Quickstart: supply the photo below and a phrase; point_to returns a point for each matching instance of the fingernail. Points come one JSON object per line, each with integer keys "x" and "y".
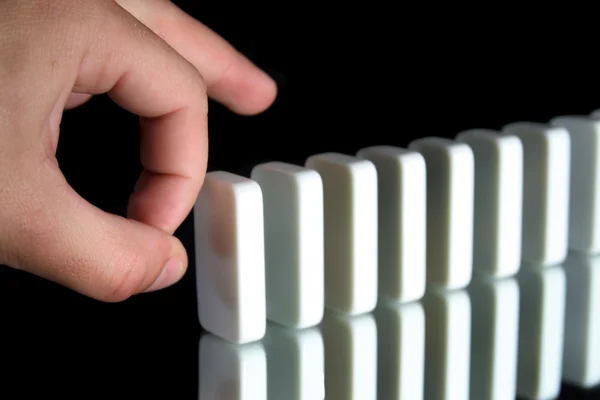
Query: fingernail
{"x": 170, "y": 274}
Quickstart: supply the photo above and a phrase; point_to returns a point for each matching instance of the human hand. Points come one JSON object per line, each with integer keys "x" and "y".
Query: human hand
{"x": 153, "y": 60}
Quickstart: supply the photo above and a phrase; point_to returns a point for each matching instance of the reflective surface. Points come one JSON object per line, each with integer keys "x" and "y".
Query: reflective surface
{"x": 529, "y": 336}
{"x": 533, "y": 336}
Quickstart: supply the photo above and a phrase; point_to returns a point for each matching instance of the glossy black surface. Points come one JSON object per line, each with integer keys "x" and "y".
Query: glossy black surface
{"x": 155, "y": 349}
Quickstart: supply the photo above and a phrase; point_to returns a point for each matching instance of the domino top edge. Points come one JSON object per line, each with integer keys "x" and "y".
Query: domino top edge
{"x": 227, "y": 177}
{"x": 479, "y": 132}
{"x": 283, "y": 167}
{"x": 338, "y": 159}
{"x": 435, "y": 142}
{"x": 489, "y": 136}
{"x": 533, "y": 128}
{"x": 236, "y": 183}
{"x": 385, "y": 149}
{"x": 575, "y": 121}
{"x": 450, "y": 147}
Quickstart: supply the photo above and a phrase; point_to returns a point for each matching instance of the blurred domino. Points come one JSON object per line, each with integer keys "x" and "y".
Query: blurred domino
{"x": 498, "y": 201}
{"x": 582, "y": 321}
{"x": 541, "y": 331}
{"x": 350, "y": 211}
{"x": 402, "y": 218}
{"x": 230, "y": 371}
{"x": 584, "y": 202}
{"x": 294, "y": 250}
{"x": 450, "y": 186}
{"x": 295, "y": 363}
{"x": 546, "y": 165}
{"x": 350, "y": 356}
{"x": 447, "y": 344}
{"x": 230, "y": 269}
{"x": 494, "y": 338}
{"x": 400, "y": 349}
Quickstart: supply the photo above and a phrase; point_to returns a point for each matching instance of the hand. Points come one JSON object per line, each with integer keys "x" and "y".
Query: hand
{"x": 153, "y": 60}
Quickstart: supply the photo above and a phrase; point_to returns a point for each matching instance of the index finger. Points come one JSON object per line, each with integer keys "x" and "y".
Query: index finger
{"x": 147, "y": 77}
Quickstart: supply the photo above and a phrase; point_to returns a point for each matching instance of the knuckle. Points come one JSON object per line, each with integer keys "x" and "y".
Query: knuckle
{"x": 199, "y": 87}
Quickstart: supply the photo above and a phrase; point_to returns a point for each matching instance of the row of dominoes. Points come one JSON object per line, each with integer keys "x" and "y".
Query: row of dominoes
{"x": 342, "y": 231}
{"x": 516, "y": 337}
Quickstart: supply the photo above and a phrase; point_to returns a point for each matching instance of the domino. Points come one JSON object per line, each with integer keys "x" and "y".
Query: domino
{"x": 582, "y": 321}
{"x": 400, "y": 350}
{"x": 498, "y": 201}
{"x": 584, "y": 200}
{"x": 546, "y": 165}
{"x": 230, "y": 264}
{"x": 401, "y": 184}
{"x": 350, "y": 229}
{"x": 494, "y": 338}
{"x": 541, "y": 332}
{"x": 231, "y": 371}
{"x": 294, "y": 248}
{"x": 450, "y": 193}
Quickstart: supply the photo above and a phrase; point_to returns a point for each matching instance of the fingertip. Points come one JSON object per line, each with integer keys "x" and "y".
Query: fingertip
{"x": 245, "y": 89}
{"x": 174, "y": 268}
{"x": 178, "y": 251}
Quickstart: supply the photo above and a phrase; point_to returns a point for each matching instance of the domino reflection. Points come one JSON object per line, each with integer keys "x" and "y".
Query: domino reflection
{"x": 400, "y": 350}
{"x": 581, "y": 354}
{"x": 497, "y": 339}
{"x": 350, "y": 357}
{"x": 285, "y": 364}
{"x": 295, "y": 363}
{"x": 541, "y": 327}
{"x": 231, "y": 371}
{"x": 447, "y": 344}
{"x": 494, "y": 338}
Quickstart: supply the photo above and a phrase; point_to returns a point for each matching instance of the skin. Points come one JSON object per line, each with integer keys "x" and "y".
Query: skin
{"x": 153, "y": 60}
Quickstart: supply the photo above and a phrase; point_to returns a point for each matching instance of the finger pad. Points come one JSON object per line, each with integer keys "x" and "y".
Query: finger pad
{"x": 245, "y": 89}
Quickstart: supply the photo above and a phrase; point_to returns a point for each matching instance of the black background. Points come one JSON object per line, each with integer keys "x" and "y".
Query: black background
{"x": 348, "y": 78}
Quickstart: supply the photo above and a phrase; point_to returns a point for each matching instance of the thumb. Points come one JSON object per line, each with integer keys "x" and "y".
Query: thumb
{"x": 59, "y": 236}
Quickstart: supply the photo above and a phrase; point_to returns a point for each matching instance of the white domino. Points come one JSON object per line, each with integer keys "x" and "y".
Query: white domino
{"x": 584, "y": 202}
{"x": 231, "y": 371}
{"x": 498, "y": 201}
{"x": 294, "y": 249}
{"x": 450, "y": 193}
{"x": 230, "y": 265}
{"x": 546, "y": 165}
{"x": 401, "y": 183}
{"x": 350, "y": 212}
